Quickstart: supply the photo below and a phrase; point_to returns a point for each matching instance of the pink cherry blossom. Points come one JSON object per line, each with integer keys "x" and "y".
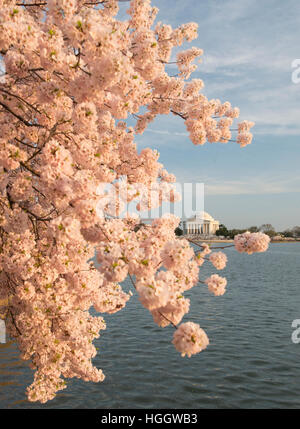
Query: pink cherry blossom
{"x": 218, "y": 259}
{"x": 216, "y": 284}
{"x": 251, "y": 242}
{"x": 190, "y": 339}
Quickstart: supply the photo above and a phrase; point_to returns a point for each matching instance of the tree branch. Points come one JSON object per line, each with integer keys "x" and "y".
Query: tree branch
{"x": 28, "y": 124}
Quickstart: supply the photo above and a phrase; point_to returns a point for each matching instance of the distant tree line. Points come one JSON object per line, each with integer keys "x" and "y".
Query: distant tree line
{"x": 293, "y": 232}
{"x": 267, "y": 228}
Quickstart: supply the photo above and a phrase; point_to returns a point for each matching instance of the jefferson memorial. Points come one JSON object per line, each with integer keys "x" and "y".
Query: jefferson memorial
{"x": 200, "y": 223}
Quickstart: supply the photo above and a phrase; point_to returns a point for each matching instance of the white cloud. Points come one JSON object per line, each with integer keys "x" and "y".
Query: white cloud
{"x": 166, "y": 132}
{"x": 252, "y": 186}
{"x": 220, "y": 62}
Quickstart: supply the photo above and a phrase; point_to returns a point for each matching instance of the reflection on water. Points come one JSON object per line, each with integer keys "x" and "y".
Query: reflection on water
{"x": 251, "y": 361}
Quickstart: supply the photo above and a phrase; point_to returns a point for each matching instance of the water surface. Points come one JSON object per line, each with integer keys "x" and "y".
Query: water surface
{"x": 251, "y": 361}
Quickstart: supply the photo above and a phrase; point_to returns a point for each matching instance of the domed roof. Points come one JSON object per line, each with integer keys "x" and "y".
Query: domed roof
{"x": 202, "y": 216}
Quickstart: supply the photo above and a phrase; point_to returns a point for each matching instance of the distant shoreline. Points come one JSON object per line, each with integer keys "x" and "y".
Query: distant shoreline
{"x": 209, "y": 241}
{"x": 202, "y": 240}
{"x": 285, "y": 241}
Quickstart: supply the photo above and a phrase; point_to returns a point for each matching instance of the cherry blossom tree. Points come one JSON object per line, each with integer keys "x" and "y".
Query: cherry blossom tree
{"x": 74, "y": 76}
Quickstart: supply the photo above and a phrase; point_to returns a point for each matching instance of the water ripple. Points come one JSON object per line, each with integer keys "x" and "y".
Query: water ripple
{"x": 250, "y": 363}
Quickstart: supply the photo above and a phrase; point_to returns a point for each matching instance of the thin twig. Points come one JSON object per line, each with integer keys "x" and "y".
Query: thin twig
{"x": 14, "y": 322}
{"x": 30, "y": 169}
{"x": 173, "y": 324}
{"x": 28, "y": 124}
{"x": 132, "y": 281}
{"x": 179, "y": 114}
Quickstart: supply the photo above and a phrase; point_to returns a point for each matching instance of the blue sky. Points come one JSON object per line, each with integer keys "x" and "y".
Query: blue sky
{"x": 249, "y": 46}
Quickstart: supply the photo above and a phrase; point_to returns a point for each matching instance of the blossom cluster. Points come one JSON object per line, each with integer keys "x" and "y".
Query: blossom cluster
{"x": 216, "y": 284}
{"x": 251, "y": 242}
{"x": 189, "y": 339}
